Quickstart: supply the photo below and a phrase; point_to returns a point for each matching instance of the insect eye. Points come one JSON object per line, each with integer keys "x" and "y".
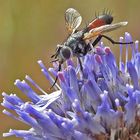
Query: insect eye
{"x": 66, "y": 52}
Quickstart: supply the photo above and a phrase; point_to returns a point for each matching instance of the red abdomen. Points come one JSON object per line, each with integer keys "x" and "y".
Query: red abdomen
{"x": 101, "y": 20}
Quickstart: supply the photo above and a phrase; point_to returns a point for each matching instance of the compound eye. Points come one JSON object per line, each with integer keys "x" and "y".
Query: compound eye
{"x": 66, "y": 52}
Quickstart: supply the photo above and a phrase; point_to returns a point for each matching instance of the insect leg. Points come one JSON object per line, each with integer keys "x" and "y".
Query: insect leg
{"x": 96, "y": 40}
{"x": 115, "y": 42}
{"x": 81, "y": 67}
{"x": 95, "y": 43}
{"x": 55, "y": 60}
{"x": 59, "y": 68}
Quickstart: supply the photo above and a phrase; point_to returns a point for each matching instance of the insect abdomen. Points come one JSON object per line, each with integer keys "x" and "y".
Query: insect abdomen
{"x": 100, "y": 20}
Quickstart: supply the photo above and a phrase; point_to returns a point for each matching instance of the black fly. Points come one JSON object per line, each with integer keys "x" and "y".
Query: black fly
{"x": 79, "y": 43}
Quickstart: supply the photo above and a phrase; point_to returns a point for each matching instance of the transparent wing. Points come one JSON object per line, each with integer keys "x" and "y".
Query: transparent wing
{"x": 73, "y": 20}
{"x": 103, "y": 29}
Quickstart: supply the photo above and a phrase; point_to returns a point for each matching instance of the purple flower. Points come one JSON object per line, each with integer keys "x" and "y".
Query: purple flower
{"x": 101, "y": 103}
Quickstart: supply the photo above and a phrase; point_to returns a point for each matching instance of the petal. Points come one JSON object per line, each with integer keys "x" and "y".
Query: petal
{"x": 133, "y": 74}
{"x": 25, "y": 88}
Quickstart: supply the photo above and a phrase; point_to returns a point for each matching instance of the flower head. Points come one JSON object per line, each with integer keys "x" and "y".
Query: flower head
{"x": 102, "y": 102}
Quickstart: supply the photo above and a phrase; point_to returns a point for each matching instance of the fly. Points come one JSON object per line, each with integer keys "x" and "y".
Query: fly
{"x": 80, "y": 42}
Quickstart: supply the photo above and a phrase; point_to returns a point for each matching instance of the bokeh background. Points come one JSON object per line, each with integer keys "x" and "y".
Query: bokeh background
{"x": 30, "y": 30}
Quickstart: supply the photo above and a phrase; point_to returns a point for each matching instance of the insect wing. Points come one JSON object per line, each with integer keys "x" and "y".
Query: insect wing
{"x": 73, "y": 20}
{"x": 103, "y": 29}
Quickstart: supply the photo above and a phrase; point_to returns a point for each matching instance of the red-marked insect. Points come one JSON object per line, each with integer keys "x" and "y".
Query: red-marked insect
{"x": 80, "y": 42}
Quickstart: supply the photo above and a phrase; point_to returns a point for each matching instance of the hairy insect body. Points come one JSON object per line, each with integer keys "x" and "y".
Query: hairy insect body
{"x": 76, "y": 43}
{"x": 79, "y": 43}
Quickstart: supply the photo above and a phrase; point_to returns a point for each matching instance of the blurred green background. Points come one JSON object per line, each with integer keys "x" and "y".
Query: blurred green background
{"x": 30, "y": 30}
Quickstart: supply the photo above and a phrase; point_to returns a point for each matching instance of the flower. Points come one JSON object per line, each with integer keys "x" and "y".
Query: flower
{"x": 102, "y": 102}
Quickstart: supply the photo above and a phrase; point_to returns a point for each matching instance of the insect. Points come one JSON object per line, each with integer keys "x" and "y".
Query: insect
{"x": 80, "y": 42}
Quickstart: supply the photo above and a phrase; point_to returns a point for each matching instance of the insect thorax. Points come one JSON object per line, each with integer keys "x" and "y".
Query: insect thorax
{"x": 77, "y": 44}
